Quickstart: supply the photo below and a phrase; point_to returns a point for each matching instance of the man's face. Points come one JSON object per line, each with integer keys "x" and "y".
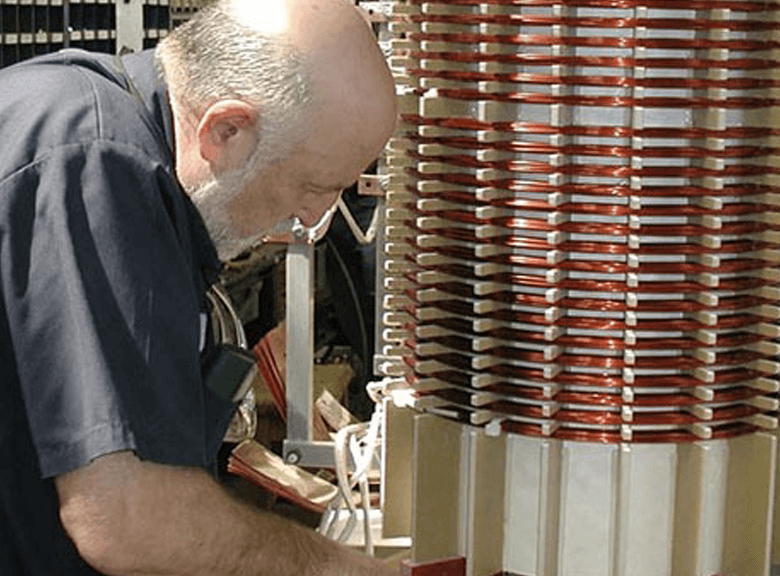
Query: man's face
{"x": 242, "y": 207}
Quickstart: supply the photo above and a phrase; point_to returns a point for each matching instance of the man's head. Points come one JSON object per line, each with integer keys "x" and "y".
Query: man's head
{"x": 278, "y": 105}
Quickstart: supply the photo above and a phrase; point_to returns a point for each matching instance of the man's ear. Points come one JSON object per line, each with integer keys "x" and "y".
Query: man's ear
{"x": 227, "y": 133}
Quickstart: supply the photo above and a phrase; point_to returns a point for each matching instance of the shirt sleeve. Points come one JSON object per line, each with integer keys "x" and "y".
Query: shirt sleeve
{"x": 97, "y": 280}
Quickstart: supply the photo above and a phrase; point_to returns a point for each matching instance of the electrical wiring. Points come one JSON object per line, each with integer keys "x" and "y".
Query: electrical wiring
{"x": 361, "y": 442}
{"x": 363, "y": 238}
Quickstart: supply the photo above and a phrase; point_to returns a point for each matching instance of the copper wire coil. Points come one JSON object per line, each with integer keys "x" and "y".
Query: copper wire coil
{"x": 670, "y": 230}
{"x": 611, "y": 248}
{"x": 730, "y": 430}
{"x": 568, "y": 378}
{"x": 737, "y": 394}
{"x": 735, "y": 5}
{"x": 614, "y": 418}
{"x": 515, "y": 185}
{"x": 613, "y": 399}
{"x": 737, "y": 45}
{"x": 605, "y": 343}
{"x": 508, "y": 259}
{"x": 688, "y": 325}
{"x": 729, "y": 376}
{"x": 470, "y": 200}
{"x": 604, "y": 170}
{"x": 528, "y": 270}
{"x": 619, "y": 305}
{"x": 519, "y": 146}
{"x": 455, "y": 307}
{"x": 608, "y": 362}
{"x": 469, "y": 236}
{"x": 605, "y": 101}
{"x": 596, "y": 22}
{"x": 465, "y": 327}
{"x": 519, "y": 185}
{"x": 729, "y": 247}
{"x": 734, "y": 247}
{"x": 681, "y": 362}
{"x": 726, "y": 376}
{"x": 604, "y": 81}
{"x": 473, "y": 124}
{"x": 684, "y": 325}
{"x": 718, "y": 415}
{"x": 584, "y": 61}
{"x": 537, "y": 167}
{"x": 683, "y": 287}
{"x": 528, "y": 374}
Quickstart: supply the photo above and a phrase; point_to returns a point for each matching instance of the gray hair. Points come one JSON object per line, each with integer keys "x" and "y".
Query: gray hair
{"x": 217, "y": 58}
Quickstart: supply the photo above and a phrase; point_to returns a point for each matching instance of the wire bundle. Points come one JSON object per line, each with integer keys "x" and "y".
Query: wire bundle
{"x": 583, "y": 216}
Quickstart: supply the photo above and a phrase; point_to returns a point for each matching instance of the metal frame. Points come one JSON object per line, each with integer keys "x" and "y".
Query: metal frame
{"x": 299, "y": 447}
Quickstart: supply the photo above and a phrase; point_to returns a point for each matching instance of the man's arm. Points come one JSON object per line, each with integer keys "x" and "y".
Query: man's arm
{"x": 131, "y": 518}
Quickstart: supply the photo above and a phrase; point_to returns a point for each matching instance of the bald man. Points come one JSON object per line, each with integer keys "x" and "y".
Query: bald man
{"x": 123, "y": 183}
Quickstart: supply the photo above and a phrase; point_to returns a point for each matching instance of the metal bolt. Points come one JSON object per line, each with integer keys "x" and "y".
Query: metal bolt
{"x": 293, "y": 457}
{"x": 299, "y": 231}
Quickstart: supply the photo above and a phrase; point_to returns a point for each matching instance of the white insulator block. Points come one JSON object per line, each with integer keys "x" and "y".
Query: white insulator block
{"x": 531, "y": 505}
{"x": 701, "y": 524}
{"x": 588, "y": 497}
{"x": 645, "y": 509}
{"x": 483, "y": 502}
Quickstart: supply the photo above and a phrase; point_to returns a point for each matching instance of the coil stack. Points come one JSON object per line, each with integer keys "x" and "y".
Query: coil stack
{"x": 582, "y": 229}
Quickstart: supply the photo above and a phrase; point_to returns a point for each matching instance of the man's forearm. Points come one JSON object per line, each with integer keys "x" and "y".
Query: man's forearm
{"x": 134, "y": 518}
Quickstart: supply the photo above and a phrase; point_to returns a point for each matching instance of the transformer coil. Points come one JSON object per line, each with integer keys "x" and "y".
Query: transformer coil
{"x": 583, "y": 217}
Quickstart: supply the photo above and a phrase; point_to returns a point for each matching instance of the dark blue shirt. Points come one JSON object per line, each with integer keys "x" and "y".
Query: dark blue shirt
{"x": 102, "y": 261}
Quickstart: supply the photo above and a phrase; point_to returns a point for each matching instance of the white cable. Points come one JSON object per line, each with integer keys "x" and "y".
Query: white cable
{"x": 361, "y": 442}
{"x": 362, "y": 237}
{"x": 362, "y": 481}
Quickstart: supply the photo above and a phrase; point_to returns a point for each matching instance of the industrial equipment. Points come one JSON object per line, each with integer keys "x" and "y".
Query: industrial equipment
{"x": 581, "y": 283}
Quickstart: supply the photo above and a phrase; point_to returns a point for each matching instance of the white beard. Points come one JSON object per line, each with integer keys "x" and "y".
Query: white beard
{"x": 212, "y": 199}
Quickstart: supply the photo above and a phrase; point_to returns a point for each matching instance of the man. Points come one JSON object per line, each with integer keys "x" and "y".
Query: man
{"x": 263, "y": 110}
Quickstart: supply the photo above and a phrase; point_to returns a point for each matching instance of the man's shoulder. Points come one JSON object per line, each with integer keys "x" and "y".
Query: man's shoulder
{"x": 63, "y": 99}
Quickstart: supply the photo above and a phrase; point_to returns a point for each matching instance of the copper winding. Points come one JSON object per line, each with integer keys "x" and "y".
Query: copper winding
{"x": 605, "y": 101}
{"x": 474, "y": 124}
{"x": 598, "y": 42}
{"x": 509, "y": 259}
{"x": 620, "y": 62}
{"x": 735, "y": 5}
{"x": 516, "y": 146}
{"x": 735, "y": 284}
{"x": 611, "y": 81}
{"x": 513, "y": 184}
{"x": 606, "y": 436}
{"x": 613, "y": 248}
{"x": 597, "y": 22}
{"x": 557, "y": 296}
{"x": 509, "y": 335}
